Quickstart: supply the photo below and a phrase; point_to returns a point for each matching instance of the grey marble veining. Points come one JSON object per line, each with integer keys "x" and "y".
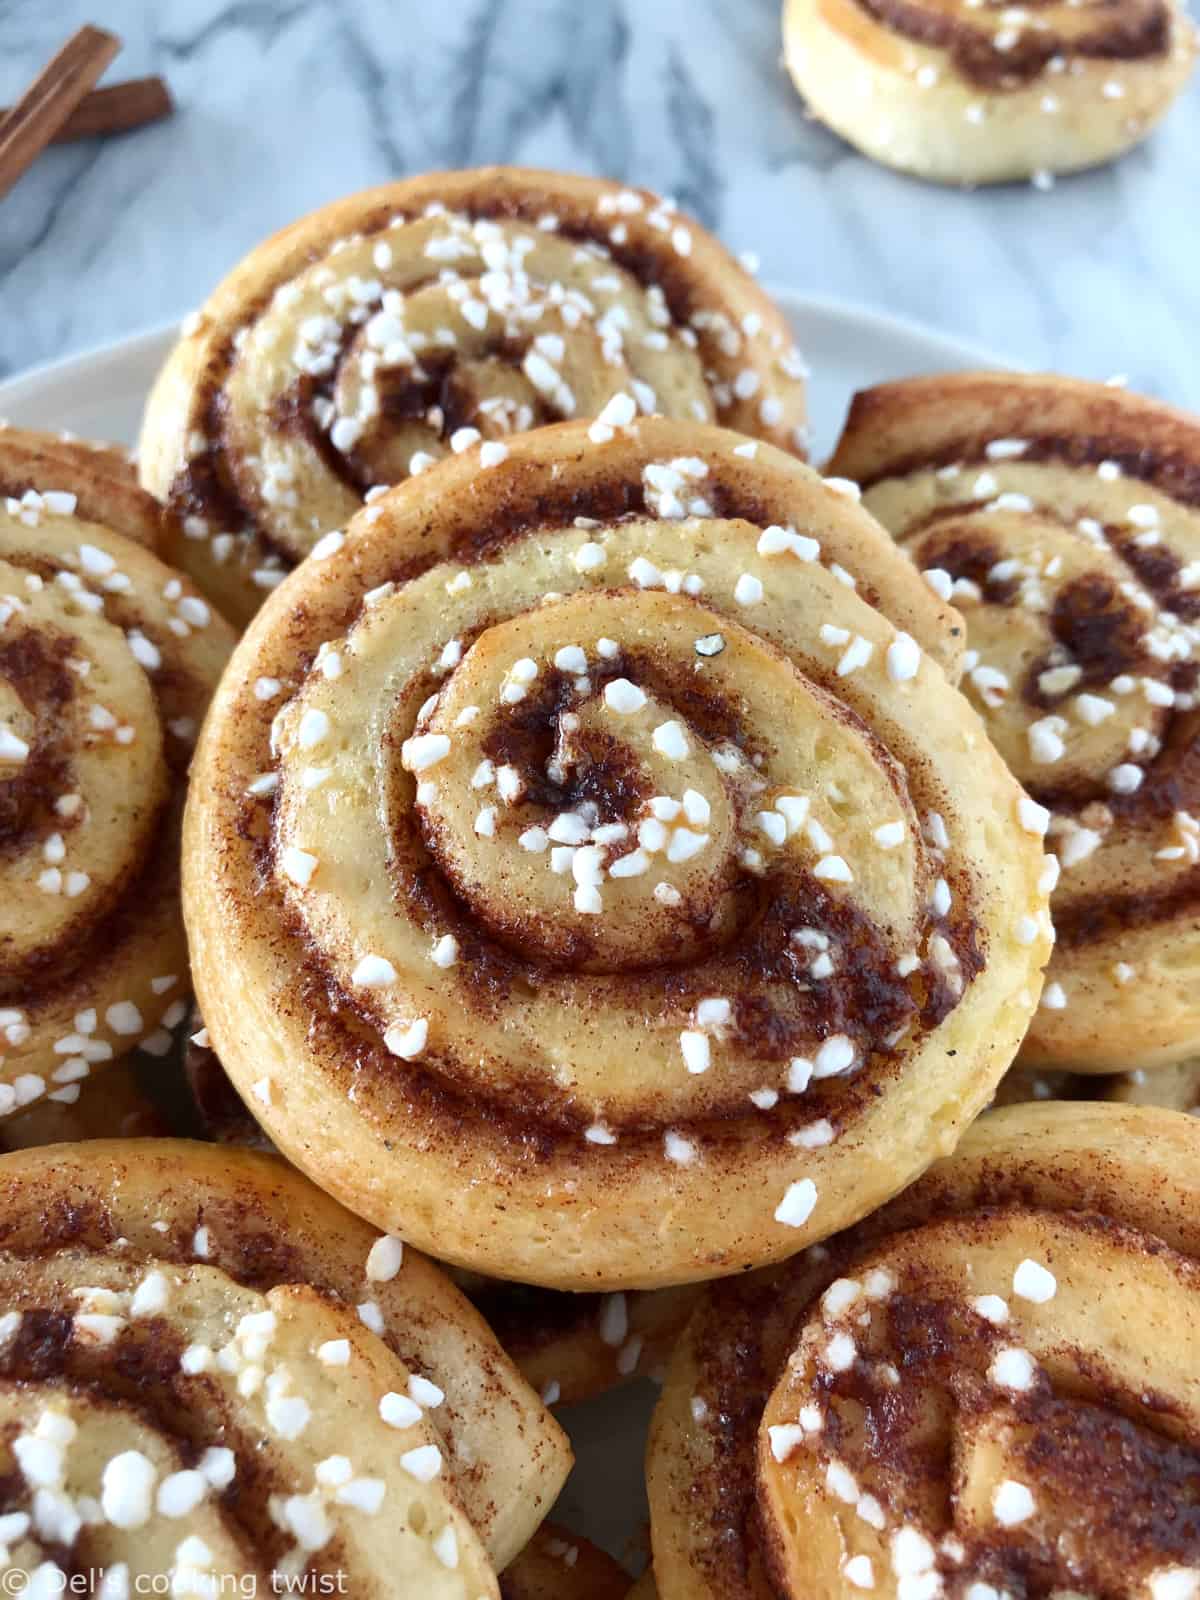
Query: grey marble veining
{"x": 288, "y": 103}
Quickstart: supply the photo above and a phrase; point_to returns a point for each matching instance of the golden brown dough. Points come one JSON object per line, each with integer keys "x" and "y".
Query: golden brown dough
{"x": 966, "y": 93}
{"x": 665, "y": 650}
{"x": 973, "y": 1391}
{"x": 390, "y": 328}
{"x": 239, "y": 1233}
{"x": 567, "y": 1346}
{"x": 107, "y": 662}
{"x": 1063, "y": 519}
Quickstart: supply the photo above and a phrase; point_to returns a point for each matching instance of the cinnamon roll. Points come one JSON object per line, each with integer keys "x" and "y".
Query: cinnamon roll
{"x": 567, "y": 1346}
{"x": 1063, "y": 519}
{"x": 557, "y": 1564}
{"x": 107, "y": 662}
{"x": 591, "y": 874}
{"x": 366, "y": 341}
{"x": 246, "y": 1313}
{"x": 988, "y": 1388}
{"x": 963, "y": 91}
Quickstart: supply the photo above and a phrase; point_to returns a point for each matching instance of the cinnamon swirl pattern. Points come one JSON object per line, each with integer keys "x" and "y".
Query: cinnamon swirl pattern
{"x": 1063, "y": 519}
{"x": 978, "y": 91}
{"x": 363, "y": 343}
{"x": 107, "y": 662}
{"x": 246, "y": 1316}
{"x": 590, "y": 871}
{"x": 974, "y": 1393}
{"x": 567, "y": 1346}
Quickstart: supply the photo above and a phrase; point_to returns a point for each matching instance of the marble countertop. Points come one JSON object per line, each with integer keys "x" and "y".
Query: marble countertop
{"x": 284, "y": 104}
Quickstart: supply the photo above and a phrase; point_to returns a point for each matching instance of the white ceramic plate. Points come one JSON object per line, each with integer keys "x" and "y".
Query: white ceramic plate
{"x": 100, "y": 395}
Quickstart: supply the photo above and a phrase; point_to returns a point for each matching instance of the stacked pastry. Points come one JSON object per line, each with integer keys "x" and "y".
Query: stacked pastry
{"x": 569, "y": 1346}
{"x": 968, "y": 1394}
{"x": 594, "y": 877}
{"x": 1062, "y": 520}
{"x": 188, "y": 1327}
{"x": 654, "y": 701}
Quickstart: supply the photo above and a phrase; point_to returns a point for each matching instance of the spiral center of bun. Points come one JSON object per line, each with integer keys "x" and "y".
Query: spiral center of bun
{"x": 1075, "y": 663}
{"x": 586, "y": 811}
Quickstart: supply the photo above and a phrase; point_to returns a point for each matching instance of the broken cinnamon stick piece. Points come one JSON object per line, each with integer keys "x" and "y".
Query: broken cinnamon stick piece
{"x": 51, "y": 98}
{"x": 116, "y": 109}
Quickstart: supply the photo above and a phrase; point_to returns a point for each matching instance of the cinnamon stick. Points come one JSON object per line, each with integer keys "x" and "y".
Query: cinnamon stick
{"x": 115, "y": 109}
{"x": 51, "y": 98}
